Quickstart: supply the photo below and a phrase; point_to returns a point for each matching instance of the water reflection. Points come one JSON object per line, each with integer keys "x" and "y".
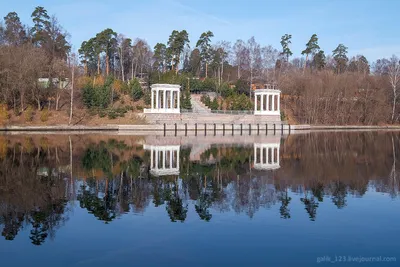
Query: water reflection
{"x": 41, "y": 177}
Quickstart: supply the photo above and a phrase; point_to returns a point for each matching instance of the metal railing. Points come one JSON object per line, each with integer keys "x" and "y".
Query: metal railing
{"x": 234, "y": 112}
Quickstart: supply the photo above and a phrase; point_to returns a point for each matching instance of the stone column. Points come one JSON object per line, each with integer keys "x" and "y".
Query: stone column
{"x": 163, "y": 163}
{"x": 255, "y": 103}
{"x": 157, "y": 158}
{"x": 262, "y": 102}
{"x": 279, "y": 103}
{"x": 179, "y": 100}
{"x": 177, "y": 159}
{"x": 152, "y": 99}
{"x": 157, "y": 98}
{"x": 273, "y": 103}
{"x": 171, "y": 95}
{"x": 151, "y": 159}
{"x": 277, "y": 155}
{"x": 170, "y": 158}
{"x": 164, "y": 99}
{"x": 267, "y": 108}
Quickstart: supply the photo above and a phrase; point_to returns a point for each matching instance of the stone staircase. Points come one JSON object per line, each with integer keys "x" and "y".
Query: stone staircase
{"x": 197, "y": 105}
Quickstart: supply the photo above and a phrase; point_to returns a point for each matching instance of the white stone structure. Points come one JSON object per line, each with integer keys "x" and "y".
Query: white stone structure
{"x": 165, "y": 98}
{"x": 164, "y": 160}
{"x": 267, "y": 101}
{"x": 266, "y": 156}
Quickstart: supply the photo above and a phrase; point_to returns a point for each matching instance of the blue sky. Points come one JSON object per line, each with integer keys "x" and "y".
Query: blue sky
{"x": 368, "y": 27}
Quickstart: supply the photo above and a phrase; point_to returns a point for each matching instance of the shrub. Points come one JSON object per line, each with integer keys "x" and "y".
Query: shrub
{"x": 112, "y": 114}
{"x": 239, "y": 102}
{"x": 136, "y": 89}
{"x": 102, "y": 113}
{"x": 139, "y": 107}
{"x": 44, "y": 115}
{"x": 29, "y": 114}
{"x": 206, "y": 100}
{"x": 214, "y": 104}
{"x": 147, "y": 98}
{"x": 186, "y": 100}
{"x": 96, "y": 96}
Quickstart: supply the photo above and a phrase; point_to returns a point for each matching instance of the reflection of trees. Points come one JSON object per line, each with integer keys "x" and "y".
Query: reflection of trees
{"x": 204, "y": 202}
{"x": 339, "y": 194}
{"x": 285, "y": 201}
{"x": 32, "y": 192}
{"x": 332, "y": 166}
{"x": 310, "y": 206}
{"x": 103, "y": 208}
{"x": 176, "y": 209}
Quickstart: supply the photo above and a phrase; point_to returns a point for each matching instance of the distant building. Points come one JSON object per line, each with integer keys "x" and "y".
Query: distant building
{"x": 61, "y": 84}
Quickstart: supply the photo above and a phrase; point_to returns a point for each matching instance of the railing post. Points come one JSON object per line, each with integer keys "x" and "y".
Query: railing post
{"x": 241, "y": 129}
{"x": 195, "y": 129}
{"x": 215, "y": 129}
{"x": 282, "y": 128}
{"x": 176, "y": 129}
{"x": 289, "y": 128}
{"x": 266, "y": 129}
{"x": 232, "y": 129}
{"x": 223, "y": 129}
{"x": 205, "y": 128}
{"x": 258, "y": 129}
{"x": 185, "y": 128}
{"x": 165, "y": 129}
{"x": 249, "y": 128}
{"x": 274, "y": 128}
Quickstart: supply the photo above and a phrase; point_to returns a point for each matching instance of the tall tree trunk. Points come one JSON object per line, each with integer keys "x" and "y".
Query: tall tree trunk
{"x": 135, "y": 70}
{"x": 132, "y": 70}
{"x": 305, "y": 64}
{"x": 86, "y": 67}
{"x": 206, "y": 69}
{"x": 98, "y": 64}
{"x": 121, "y": 59}
{"x": 107, "y": 64}
{"x": 394, "y": 104}
{"x": 72, "y": 94}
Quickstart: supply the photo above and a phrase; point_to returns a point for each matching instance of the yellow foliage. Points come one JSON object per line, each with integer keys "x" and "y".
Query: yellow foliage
{"x": 117, "y": 86}
{"x": 44, "y": 115}
{"x": 44, "y": 143}
{"x": 29, "y": 114}
{"x": 98, "y": 81}
{"x": 3, "y": 148}
{"x": 4, "y": 115}
{"x": 83, "y": 81}
{"x": 28, "y": 145}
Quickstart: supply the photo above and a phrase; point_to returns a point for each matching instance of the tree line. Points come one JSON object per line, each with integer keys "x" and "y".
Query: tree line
{"x": 318, "y": 87}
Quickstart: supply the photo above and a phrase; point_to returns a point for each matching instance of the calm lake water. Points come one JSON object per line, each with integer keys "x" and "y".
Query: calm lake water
{"x": 102, "y": 200}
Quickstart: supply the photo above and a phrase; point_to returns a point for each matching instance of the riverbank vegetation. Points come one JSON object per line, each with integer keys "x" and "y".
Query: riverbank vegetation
{"x": 111, "y": 74}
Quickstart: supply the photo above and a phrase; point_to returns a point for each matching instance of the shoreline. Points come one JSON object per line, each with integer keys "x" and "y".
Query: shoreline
{"x": 257, "y": 128}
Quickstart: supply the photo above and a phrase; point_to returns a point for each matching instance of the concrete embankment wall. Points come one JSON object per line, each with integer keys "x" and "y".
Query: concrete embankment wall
{"x": 192, "y": 118}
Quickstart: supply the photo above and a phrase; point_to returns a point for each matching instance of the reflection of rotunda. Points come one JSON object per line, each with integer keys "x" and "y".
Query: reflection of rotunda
{"x": 266, "y": 156}
{"x": 164, "y": 160}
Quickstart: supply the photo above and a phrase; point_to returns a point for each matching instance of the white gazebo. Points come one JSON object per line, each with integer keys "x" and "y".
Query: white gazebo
{"x": 267, "y": 101}
{"x": 164, "y": 160}
{"x": 266, "y": 156}
{"x": 165, "y": 98}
